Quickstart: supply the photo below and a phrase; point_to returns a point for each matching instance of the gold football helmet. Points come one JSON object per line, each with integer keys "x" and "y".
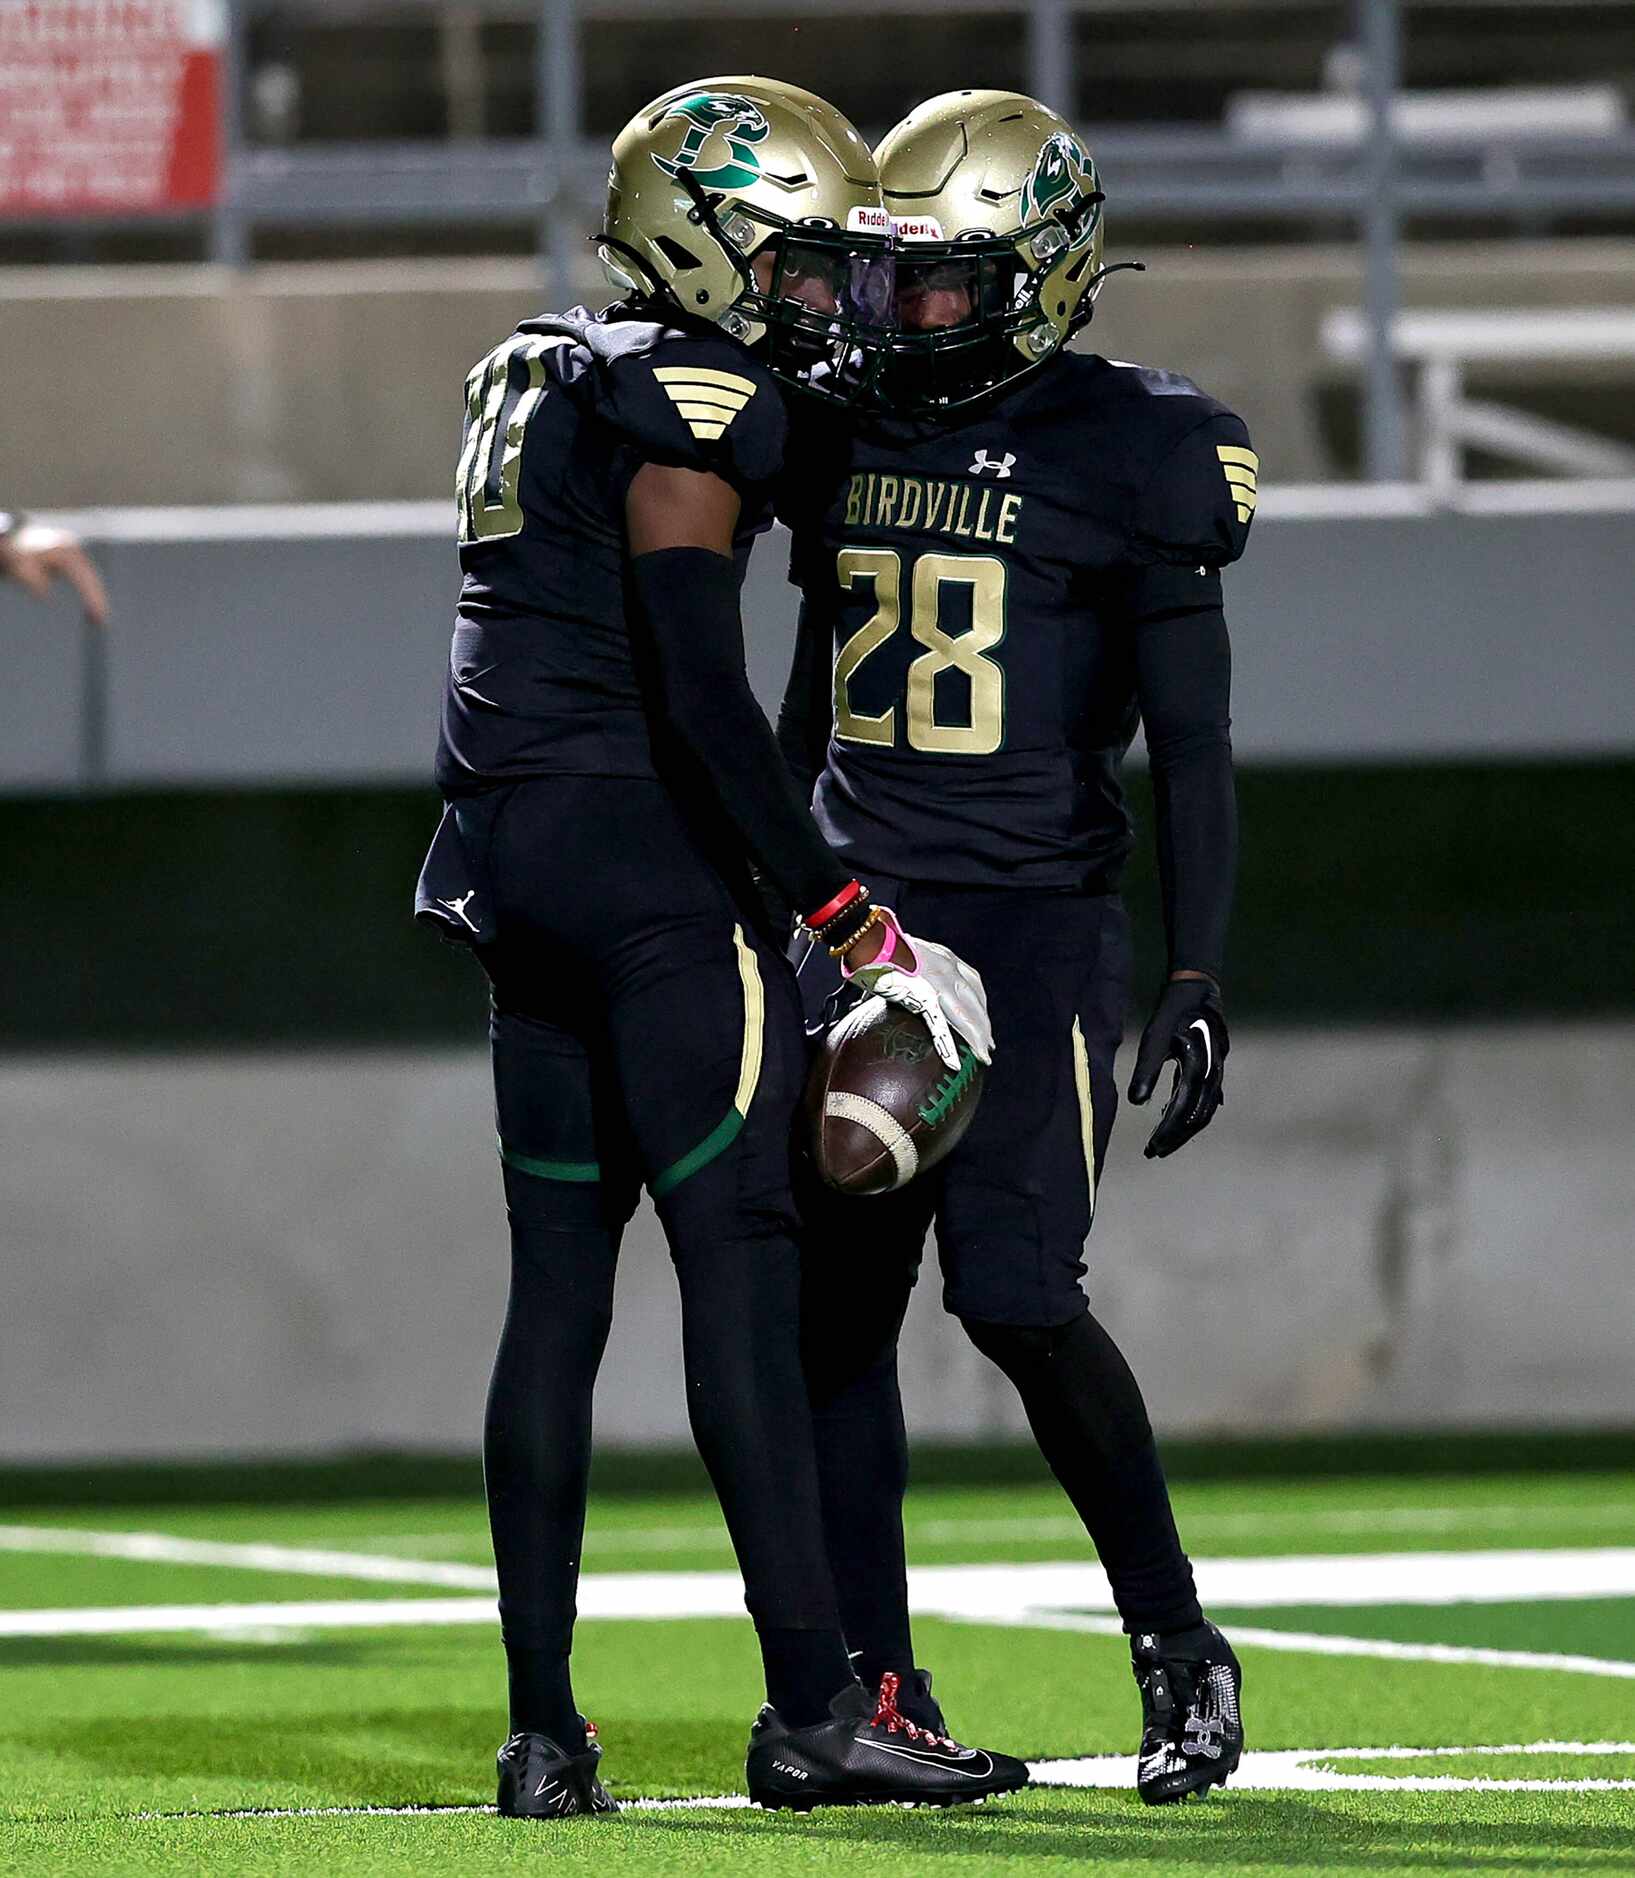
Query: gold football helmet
{"x": 997, "y": 210}
{"x": 755, "y": 206}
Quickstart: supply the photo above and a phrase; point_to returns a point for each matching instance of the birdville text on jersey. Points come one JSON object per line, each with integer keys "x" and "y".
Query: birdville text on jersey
{"x": 876, "y": 501}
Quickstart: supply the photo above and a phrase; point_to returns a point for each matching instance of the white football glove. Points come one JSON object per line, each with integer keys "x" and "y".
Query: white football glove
{"x": 939, "y": 986}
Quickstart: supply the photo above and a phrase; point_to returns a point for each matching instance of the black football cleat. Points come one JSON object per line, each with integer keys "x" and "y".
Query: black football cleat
{"x": 1192, "y": 1724}
{"x": 869, "y": 1754}
{"x": 539, "y": 1781}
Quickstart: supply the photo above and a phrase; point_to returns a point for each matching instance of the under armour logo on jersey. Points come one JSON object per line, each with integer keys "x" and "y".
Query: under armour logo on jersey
{"x": 983, "y": 463}
{"x": 1242, "y": 470}
{"x": 458, "y": 907}
{"x": 709, "y": 400}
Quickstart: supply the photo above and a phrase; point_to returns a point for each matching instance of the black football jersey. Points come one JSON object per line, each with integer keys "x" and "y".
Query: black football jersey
{"x": 983, "y": 584}
{"x": 541, "y": 676}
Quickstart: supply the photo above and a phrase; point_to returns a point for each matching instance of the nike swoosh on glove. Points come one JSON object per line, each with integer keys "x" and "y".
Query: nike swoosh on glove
{"x": 939, "y": 986}
{"x": 1188, "y": 1028}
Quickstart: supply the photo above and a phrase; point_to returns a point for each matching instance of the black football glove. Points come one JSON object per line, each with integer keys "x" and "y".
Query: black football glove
{"x": 1187, "y": 1026}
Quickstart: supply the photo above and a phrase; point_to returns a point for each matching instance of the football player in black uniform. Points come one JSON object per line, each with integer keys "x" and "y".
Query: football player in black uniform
{"x": 609, "y": 778}
{"x": 999, "y": 582}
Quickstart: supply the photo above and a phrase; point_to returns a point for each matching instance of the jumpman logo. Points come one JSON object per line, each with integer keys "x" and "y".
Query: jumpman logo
{"x": 458, "y": 907}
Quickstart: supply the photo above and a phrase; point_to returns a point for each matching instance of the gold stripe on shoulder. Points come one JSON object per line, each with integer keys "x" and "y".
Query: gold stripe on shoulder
{"x": 716, "y": 401}
{"x": 708, "y": 400}
{"x": 1241, "y": 469}
{"x": 705, "y": 375}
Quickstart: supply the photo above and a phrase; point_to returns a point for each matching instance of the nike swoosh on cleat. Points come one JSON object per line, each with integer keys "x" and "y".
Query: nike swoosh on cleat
{"x": 936, "y": 1761}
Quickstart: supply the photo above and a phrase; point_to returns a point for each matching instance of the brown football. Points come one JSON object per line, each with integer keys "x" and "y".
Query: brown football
{"x": 882, "y": 1104}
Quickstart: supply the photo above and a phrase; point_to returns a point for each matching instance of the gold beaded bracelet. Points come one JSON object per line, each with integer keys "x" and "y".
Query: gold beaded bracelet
{"x": 876, "y": 914}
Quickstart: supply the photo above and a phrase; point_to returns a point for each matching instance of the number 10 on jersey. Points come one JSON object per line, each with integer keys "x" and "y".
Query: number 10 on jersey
{"x": 984, "y": 576}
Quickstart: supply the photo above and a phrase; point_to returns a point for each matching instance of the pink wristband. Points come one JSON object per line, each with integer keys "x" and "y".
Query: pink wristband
{"x": 887, "y": 952}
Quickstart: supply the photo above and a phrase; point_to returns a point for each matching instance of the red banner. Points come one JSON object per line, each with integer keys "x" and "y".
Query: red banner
{"x": 109, "y": 107}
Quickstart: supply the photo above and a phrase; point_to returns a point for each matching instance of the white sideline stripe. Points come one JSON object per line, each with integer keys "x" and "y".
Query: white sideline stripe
{"x": 1320, "y": 1643}
{"x": 161, "y": 1548}
{"x": 986, "y": 1593}
{"x": 136, "y": 1620}
{"x": 1282, "y": 1770}
{"x": 1336, "y": 1579}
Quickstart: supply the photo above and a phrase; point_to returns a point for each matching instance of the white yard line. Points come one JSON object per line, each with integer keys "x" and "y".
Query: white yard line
{"x": 712, "y": 1802}
{"x": 1301, "y": 1770}
{"x": 1331, "y": 1579}
{"x": 245, "y": 1620}
{"x": 985, "y": 1593}
{"x": 307, "y": 1561}
{"x": 1042, "y": 1596}
{"x": 1285, "y": 1770}
{"x": 1368, "y": 1578}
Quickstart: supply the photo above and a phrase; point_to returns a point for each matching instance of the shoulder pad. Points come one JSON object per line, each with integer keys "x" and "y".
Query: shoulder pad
{"x": 1199, "y": 496}
{"x": 1156, "y": 382}
{"x": 694, "y": 401}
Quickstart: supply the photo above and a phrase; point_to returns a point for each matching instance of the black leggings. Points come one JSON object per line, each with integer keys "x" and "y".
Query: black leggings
{"x": 1082, "y": 1402}
{"x": 642, "y": 1033}
{"x": 1012, "y": 1209}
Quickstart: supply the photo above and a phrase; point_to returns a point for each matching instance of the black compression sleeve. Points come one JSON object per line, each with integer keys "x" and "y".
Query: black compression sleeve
{"x": 808, "y": 701}
{"x": 1184, "y": 679}
{"x": 686, "y": 607}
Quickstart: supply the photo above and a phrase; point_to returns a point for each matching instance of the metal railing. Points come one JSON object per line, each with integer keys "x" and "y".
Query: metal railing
{"x": 1188, "y": 178}
{"x": 1440, "y": 345}
{"x": 1181, "y": 176}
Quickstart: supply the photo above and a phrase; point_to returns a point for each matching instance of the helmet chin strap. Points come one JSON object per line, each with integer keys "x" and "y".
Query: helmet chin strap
{"x": 704, "y": 213}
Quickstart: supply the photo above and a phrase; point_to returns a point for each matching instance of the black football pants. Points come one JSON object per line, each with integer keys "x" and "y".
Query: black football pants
{"x": 1011, "y": 1207}
{"x": 643, "y": 1033}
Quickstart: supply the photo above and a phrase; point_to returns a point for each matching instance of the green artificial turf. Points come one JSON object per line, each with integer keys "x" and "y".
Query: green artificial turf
{"x": 99, "y": 1732}
{"x": 1044, "y": 1833}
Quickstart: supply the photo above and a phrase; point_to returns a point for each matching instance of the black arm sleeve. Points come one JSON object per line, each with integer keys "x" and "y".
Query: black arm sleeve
{"x": 808, "y": 701}
{"x": 686, "y": 607}
{"x": 1183, "y": 663}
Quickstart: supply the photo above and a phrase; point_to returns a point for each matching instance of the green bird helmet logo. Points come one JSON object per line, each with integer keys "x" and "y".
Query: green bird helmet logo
{"x": 1061, "y": 171}
{"x": 718, "y": 146}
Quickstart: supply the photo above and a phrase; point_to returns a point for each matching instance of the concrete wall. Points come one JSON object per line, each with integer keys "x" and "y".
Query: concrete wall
{"x": 265, "y": 1254}
{"x": 342, "y": 382}
{"x": 1355, "y": 637}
